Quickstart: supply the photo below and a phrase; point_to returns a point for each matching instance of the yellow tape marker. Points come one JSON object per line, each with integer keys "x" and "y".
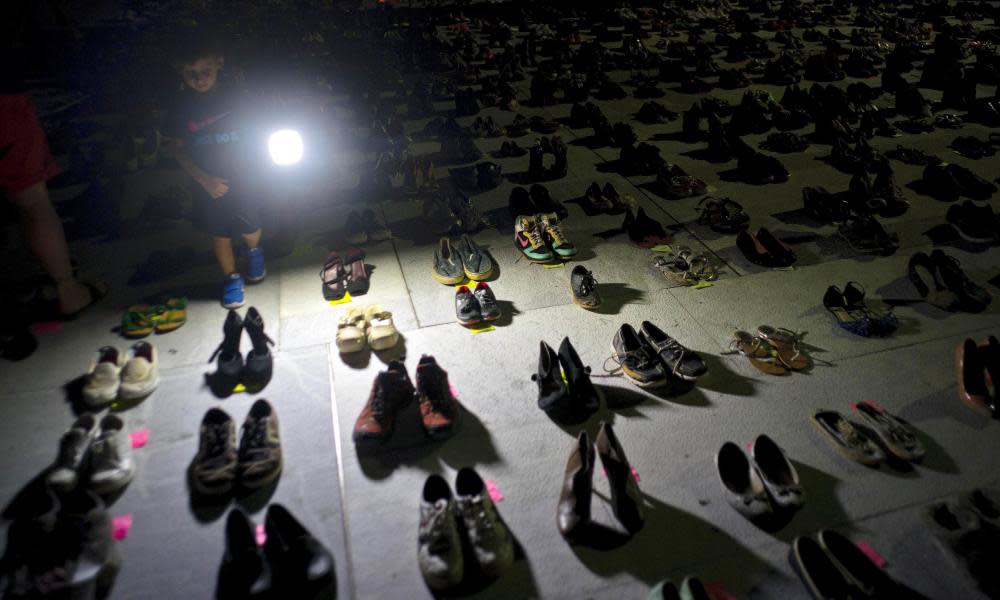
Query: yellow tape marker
{"x": 701, "y": 284}
{"x": 239, "y": 388}
{"x": 344, "y": 300}
{"x": 555, "y": 266}
{"x": 662, "y": 248}
{"x": 481, "y": 329}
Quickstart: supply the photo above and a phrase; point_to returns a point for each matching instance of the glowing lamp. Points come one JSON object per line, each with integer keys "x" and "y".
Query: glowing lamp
{"x": 285, "y": 147}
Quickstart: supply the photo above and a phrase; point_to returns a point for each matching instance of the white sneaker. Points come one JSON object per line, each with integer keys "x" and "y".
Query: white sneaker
{"x": 489, "y": 537}
{"x": 72, "y": 449}
{"x": 141, "y": 374}
{"x": 112, "y": 465}
{"x": 439, "y": 549}
{"x": 104, "y": 378}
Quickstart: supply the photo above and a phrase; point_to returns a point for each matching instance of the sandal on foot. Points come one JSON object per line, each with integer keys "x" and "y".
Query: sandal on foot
{"x": 759, "y": 352}
{"x": 786, "y": 344}
{"x": 170, "y": 315}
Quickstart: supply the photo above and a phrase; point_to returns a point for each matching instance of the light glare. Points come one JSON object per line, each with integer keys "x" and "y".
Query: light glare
{"x": 285, "y": 147}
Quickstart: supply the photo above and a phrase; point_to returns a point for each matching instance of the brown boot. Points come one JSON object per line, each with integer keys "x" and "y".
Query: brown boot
{"x": 972, "y": 390}
{"x": 626, "y": 499}
{"x": 573, "y": 512}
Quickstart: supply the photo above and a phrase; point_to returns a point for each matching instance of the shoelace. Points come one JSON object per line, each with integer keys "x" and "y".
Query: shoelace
{"x": 486, "y": 300}
{"x": 588, "y": 284}
{"x": 218, "y": 440}
{"x": 555, "y": 232}
{"x": 534, "y": 236}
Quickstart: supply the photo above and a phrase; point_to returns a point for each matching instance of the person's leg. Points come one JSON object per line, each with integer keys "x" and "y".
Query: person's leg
{"x": 252, "y": 240}
{"x": 223, "y": 248}
{"x": 43, "y": 232}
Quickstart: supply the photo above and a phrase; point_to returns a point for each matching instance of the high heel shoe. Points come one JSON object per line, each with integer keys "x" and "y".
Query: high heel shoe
{"x": 553, "y": 396}
{"x": 229, "y": 368}
{"x": 584, "y": 397}
{"x": 573, "y": 511}
{"x": 626, "y": 499}
{"x": 259, "y": 362}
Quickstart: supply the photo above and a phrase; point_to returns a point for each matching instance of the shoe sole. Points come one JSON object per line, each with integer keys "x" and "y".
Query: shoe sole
{"x": 138, "y": 390}
{"x": 233, "y": 304}
{"x": 256, "y": 279}
{"x": 470, "y": 322}
{"x": 447, "y": 280}
{"x": 577, "y": 302}
{"x": 479, "y": 276}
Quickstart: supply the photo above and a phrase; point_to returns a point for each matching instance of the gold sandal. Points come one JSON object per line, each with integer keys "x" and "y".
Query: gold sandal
{"x": 786, "y": 343}
{"x": 759, "y": 352}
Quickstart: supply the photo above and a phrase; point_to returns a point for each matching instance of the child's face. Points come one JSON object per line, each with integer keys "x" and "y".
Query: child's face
{"x": 202, "y": 75}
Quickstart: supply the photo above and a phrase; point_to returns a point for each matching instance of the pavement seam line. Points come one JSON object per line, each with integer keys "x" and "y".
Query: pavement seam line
{"x": 340, "y": 472}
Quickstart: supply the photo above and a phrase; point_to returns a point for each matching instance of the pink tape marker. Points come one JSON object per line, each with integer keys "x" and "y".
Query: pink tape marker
{"x": 260, "y": 534}
{"x": 46, "y": 327}
{"x": 139, "y": 437}
{"x": 120, "y": 526}
{"x": 875, "y": 405}
{"x": 494, "y": 491}
{"x": 718, "y": 591}
{"x": 635, "y": 474}
{"x": 872, "y": 555}
{"x": 454, "y": 392}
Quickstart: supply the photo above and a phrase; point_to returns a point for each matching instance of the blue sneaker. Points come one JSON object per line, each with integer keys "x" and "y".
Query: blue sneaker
{"x": 255, "y": 265}
{"x": 232, "y": 291}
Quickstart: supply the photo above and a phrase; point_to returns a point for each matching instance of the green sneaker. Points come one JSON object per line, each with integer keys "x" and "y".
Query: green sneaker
{"x": 528, "y": 239}
{"x": 549, "y": 223}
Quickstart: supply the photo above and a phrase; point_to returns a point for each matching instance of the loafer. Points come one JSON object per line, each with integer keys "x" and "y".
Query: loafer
{"x": 741, "y": 482}
{"x": 847, "y": 439}
{"x": 818, "y": 572}
{"x": 780, "y": 478}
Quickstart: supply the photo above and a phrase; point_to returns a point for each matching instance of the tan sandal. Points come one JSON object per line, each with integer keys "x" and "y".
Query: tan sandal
{"x": 351, "y": 331}
{"x": 786, "y": 343}
{"x": 382, "y": 333}
{"x": 759, "y": 352}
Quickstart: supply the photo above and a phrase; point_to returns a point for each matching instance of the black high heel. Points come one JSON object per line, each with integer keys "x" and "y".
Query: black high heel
{"x": 585, "y": 397}
{"x": 230, "y": 365}
{"x": 552, "y": 392}
{"x": 259, "y": 363}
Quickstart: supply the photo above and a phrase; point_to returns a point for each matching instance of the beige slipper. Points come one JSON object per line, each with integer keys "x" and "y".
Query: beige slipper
{"x": 382, "y": 332}
{"x": 351, "y": 331}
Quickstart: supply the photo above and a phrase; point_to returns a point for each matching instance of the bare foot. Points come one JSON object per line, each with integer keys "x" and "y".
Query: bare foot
{"x": 73, "y": 297}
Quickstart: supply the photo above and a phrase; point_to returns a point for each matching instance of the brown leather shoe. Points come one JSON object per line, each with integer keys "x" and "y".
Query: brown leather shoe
{"x": 391, "y": 391}
{"x": 626, "y": 499}
{"x": 439, "y": 409}
{"x": 969, "y": 369}
{"x": 573, "y": 512}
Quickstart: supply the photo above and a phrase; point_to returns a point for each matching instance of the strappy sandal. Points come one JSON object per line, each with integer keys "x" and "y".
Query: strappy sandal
{"x": 723, "y": 215}
{"x": 702, "y": 269}
{"x": 137, "y": 321}
{"x": 676, "y": 269}
{"x": 786, "y": 344}
{"x": 357, "y": 272}
{"x": 853, "y": 320}
{"x": 170, "y": 315}
{"x": 334, "y": 277}
{"x": 759, "y": 352}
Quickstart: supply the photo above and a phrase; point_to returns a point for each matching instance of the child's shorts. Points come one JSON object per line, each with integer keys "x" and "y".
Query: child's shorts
{"x": 25, "y": 159}
{"x": 237, "y": 213}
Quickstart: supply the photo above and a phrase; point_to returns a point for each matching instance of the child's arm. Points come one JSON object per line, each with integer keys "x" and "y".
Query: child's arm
{"x": 217, "y": 187}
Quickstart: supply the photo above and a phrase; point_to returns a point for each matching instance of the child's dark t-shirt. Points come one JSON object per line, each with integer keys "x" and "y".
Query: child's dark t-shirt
{"x": 215, "y": 128}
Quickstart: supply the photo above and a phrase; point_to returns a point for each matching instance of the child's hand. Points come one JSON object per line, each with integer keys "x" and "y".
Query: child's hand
{"x": 217, "y": 187}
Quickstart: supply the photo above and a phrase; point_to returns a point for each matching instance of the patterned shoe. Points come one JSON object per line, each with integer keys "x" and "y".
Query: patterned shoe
{"x": 554, "y": 234}
{"x": 528, "y": 239}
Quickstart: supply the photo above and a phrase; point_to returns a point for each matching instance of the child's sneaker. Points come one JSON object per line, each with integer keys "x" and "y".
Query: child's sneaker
{"x": 256, "y": 271}
{"x": 232, "y": 291}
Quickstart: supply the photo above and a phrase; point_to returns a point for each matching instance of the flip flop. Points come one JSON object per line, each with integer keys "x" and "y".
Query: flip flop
{"x": 786, "y": 343}
{"x": 170, "y": 315}
{"x": 137, "y": 321}
{"x": 759, "y": 352}
{"x": 97, "y": 292}
{"x": 334, "y": 277}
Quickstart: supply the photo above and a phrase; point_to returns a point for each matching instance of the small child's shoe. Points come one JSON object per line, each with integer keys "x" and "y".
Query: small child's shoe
{"x": 256, "y": 271}
{"x": 232, "y": 291}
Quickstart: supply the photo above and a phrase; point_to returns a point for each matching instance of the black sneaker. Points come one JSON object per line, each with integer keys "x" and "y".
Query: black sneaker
{"x": 583, "y": 286}
{"x": 489, "y": 310}
{"x": 467, "y": 310}
{"x": 977, "y": 223}
{"x": 259, "y": 363}
{"x": 637, "y": 360}
{"x": 260, "y": 447}
{"x": 229, "y": 369}
{"x": 679, "y": 361}
{"x": 213, "y": 471}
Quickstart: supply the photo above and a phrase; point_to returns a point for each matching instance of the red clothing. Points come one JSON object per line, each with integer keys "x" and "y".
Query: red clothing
{"x": 25, "y": 159}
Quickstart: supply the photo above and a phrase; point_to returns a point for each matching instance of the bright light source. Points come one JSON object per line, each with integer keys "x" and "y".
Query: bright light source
{"x": 285, "y": 146}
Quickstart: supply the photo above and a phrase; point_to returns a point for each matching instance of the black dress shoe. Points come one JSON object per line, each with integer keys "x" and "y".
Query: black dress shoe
{"x": 303, "y": 567}
{"x": 626, "y": 499}
{"x": 244, "y": 573}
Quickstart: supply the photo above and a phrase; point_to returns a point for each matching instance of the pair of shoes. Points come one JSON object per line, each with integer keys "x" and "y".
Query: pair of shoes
{"x": 762, "y": 484}
{"x": 61, "y": 547}
{"x": 864, "y": 233}
{"x": 371, "y": 325}
{"x": 862, "y": 445}
{"x": 972, "y": 363}
{"x": 439, "y": 544}
{"x": 540, "y": 238}
{"x": 141, "y": 320}
{"x": 965, "y": 530}
{"x": 832, "y": 566}
{"x": 852, "y": 314}
{"x": 643, "y": 230}
{"x": 291, "y": 562}
{"x": 691, "y": 588}
{"x": 772, "y": 351}
{"x": 510, "y": 149}
{"x": 231, "y": 369}
{"x": 583, "y": 288}
{"x": 115, "y": 375}
{"x": 723, "y": 215}
{"x": 764, "y": 249}
{"x": 605, "y": 200}
{"x": 218, "y": 464}
{"x": 949, "y": 182}
{"x": 977, "y": 223}
{"x": 392, "y": 391}
{"x": 536, "y": 154}
{"x": 650, "y": 357}
{"x": 418, "y": 176}
{"x": 573, "y": 510}
{"x": 365, "y": 226}
{"x": 679, "y": 186}
{"x": 535, "y": 200}
{"x": 939, "y": 280}
{"x": 453, "y": 263}
{"x": 100, "y": 453}
{"x": 476, "y": 306}
{"x": 565, "y": 391}
{"x": 342, "y": 275}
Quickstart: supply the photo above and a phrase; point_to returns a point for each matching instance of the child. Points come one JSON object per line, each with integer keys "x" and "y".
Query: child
{"x": 209, "y": 135}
